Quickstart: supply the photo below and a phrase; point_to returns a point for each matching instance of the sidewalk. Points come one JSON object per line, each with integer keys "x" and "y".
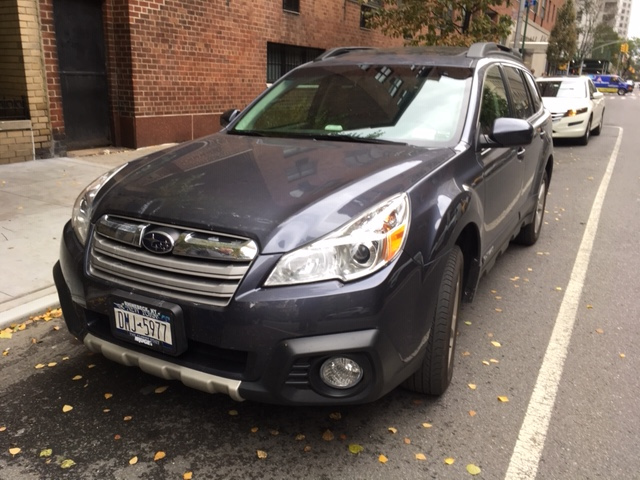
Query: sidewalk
{"x": 36, "y": 199}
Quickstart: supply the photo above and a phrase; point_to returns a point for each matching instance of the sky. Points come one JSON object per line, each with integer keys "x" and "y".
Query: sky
{"x": 634, "y": 22}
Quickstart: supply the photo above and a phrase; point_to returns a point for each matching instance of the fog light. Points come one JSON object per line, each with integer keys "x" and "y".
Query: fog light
{"x": 340, "y": 372}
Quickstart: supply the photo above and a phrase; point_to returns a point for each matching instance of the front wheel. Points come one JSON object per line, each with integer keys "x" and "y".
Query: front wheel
{"x": 530, "y": 233}
{"x": 434, "y": 375}
{"x": 622, "y": 91}
{"x": 584, "y": 140}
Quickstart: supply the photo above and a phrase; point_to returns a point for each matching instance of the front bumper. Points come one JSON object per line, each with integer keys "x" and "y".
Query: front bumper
{"x": 570, "y": 127}
{"x": 268, "y": 344}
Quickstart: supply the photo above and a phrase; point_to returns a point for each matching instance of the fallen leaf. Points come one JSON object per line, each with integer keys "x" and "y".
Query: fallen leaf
{"x": 427, "y": 425}
{"x": 472, "y": 413}
{"x": 3, "y": 428}
{"x": 5, "y": 352}
{"x": 355, "y": 448}
{"x": 187, "y": 476}
{"x": 77, "y": 377}
{"x": 233, "y": 413}
{"x": 52, "y": 364}
{"x": 300, "y": 437}
{"x": 159, "y": 456}
{"x": 514, "y": 279}
{"x": 65, "y": 358}
{"x": 449, "y": 461}
{"x": 503, "y": 399}
{"x": 484, "y": 362}
{"x": 622, "y": 355}
{"x": 529, "y": 269}
{"x": 498, "y": 297}
{"x": 56, "y": 328}
{"x": 393, "y": 430}
{"x": 499, "y": 310}
{"x": 493, "y": 360}
{"x": 420, "y": 456}
{"x": 14, "y": 451}
{"x": 254, "y": 429}
{"x": 466, "y": 354}
{"x": 599, "y": 330}
{"x": 306, "y": 449}
{"x": 161, "y": 389}
{"x": 261, "y": 454}
{"x": 68, "y": 463}
{"x": 22, "y": 326}
{"x": 106, "y": 410}
{"x": 274, "y": 432}
{"x": 383, "y": 459}
{"x": 495, "y": 344}
{"x": 589, "y": 306}
{"x": 467, "y": 322}
{"x": 39, "y": 366}
{"x": 407, "y": 441}
{"x": 343, "y": 437}
{"x": 127, "y": 418}
{"x": 107, "y": 396}
{"x": 133, "y": 460}
{"x": 46, "y": 452}
{"x": 473, "y": 386}
{"x": 327, "y": 436}
{"x": 92, "y": 365}
{"x": 335, "y": 416}
{"x": 473, "y": 469}
{"x": 67, "y": 408}
{"x": 494, "y": 291}
{"x": 117, "y": 437}
{"x": 558, "y": 289}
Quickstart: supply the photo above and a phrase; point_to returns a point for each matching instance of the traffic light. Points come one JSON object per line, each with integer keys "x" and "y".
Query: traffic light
{"x": 624, "y": 48}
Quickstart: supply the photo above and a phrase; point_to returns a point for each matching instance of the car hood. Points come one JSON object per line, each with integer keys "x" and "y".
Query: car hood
{"x": 560, "y": 105}
{"x": 282, "y": 193}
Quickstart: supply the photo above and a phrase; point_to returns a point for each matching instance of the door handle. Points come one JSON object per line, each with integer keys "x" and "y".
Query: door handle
{"x": 520, "y": 153}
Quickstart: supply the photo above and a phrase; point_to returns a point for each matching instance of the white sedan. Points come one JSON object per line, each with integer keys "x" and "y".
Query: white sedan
{"x": 576, "y": 106}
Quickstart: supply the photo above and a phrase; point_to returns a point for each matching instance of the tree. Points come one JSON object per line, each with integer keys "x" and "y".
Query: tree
{"x": 563, "y": 39}
{"x": 588, "y": 13}
{"x": 606, "y": 45}
{"x": 441, "y": 22}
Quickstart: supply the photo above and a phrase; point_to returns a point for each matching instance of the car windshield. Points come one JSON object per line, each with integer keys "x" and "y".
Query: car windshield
{"x": 420, "y": 105}
{"x": 562, "y": 89}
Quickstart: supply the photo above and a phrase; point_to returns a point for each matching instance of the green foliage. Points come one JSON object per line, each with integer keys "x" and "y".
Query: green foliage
{"x": 441, "y": 22}
{"x": 563, "y": 39}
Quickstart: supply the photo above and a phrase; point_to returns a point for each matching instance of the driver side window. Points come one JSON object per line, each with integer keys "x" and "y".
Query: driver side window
{"x": 494, "y": 100}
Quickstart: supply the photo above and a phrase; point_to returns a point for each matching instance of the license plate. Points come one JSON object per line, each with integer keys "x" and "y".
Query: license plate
{"x": 147, "y": 325}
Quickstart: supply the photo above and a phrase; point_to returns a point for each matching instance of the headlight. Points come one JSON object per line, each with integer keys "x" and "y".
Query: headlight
{"x": 81, "y": 215}
{"x": 362, "y": 246}
{"x": 573, "y": 112}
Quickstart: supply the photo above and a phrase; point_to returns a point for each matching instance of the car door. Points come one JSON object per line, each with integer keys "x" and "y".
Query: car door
{"x": 597, "y": 99}
{"x": 503, "y": 168}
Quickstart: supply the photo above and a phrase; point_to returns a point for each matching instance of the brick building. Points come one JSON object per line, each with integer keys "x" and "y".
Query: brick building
{"x": 133, "y": 73}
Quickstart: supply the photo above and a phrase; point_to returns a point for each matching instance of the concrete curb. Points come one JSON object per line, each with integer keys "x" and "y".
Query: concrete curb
{"x": 35, "y": 303}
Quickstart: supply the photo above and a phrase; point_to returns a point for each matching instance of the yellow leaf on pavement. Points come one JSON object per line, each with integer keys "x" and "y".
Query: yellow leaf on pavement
{"x": 503, "y": 399}
{"x": 254, "y": 429}
{"x": 77, "y": 377}
{"x": 599, "y": 330}
{"x": 473, "y": 469}
{"x": 39, "y": 366}
{"x": 473, "y": 386}
{"x": 484, "y": 362}
{"x": 107, "y": 396}
{"x": 427, "y": 425}
{"x": 133, "y": 460}
{"x": 420, "y": 456}
{"x": 495, "y": 344}
{"x": 3, "y": 428}
{"x": 622, "y": 355}
{"x": 261, "y": 454}
{"x": 127, "y": 418}
{"x": 407, "y": 441}
{"x": 46, "y": 452}
{"x": 68, "y": 463}
{"x": 383, "y": 459}
{"x": 159, "y": 456}
{"x": 52, "y": 364}
{"x": 355, "y": 448}
{"x": 300, "y": 437}
{"x": 472, "y": 413}
{"x": 449, "y": 461}
{"x": 67, "y": 408}
{"x": 233, "y": 413}
{"x": 161, "y": 389}
{"x": 14, "y": 451}
{"x": 393, "y": 430}
{"x": 335, "y": 416}
{"x": 187, "y": 476}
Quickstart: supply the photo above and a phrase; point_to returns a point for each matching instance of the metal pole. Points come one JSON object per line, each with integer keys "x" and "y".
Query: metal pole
{"x": 526, "y": 22}
{"x": 516, "y": 37}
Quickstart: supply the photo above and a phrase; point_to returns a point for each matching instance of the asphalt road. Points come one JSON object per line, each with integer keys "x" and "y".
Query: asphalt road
{"x": 563, "y": 315}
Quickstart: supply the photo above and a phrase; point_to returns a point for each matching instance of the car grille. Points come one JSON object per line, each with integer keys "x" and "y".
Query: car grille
{"x": 199, "y": 266}
{"x": 557, "y": 116}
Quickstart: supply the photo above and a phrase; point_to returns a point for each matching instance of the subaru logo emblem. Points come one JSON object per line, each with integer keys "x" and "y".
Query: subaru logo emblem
{"x": 157, "y": 241}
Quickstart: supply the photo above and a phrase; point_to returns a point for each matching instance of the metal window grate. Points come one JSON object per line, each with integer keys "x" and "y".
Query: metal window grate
{"x": 283, "y": 58}
{"x": 14, "y": 108}
{"x": 291, "y": 5}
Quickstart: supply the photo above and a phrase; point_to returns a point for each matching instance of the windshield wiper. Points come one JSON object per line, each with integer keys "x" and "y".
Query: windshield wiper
{"x": 350, "y": 138}
{"x": 314, "y": 136}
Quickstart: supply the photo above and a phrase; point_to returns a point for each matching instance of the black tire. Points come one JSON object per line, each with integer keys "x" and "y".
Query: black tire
{"x": 530, "y": 233}
{"x": 598, "y": 129}
{"x": 434, "y": 375}
{"x": 584, "y": 140}
{"x": 622, "y": 91}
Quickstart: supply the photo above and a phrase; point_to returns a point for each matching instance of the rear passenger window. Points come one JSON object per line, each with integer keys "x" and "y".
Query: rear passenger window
{"x": 521, "y": 103}
{"x": 533, "y": 90}
{"x": 494, "y": 100}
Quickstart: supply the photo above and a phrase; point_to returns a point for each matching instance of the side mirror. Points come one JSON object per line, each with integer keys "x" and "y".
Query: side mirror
{"x": 228, "y": 116}
{"x": 507, "y": 132}
{"x": 597, "y": 95}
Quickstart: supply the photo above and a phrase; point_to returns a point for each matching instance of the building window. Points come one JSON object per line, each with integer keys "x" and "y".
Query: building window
{"x": 366, "y": 10}
{"x": 282, "y": 58}
{"x": 291, "y": 5}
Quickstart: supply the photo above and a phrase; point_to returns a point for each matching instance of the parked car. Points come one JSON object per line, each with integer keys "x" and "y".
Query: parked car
{"x": 576, "y": 106}
{"x": 610, "y": 84}
{"x": 316, "y": 251}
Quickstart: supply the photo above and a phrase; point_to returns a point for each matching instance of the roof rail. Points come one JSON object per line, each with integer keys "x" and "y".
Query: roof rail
{"x": 483, "y": 49}
{"x": 335, "y": 52}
